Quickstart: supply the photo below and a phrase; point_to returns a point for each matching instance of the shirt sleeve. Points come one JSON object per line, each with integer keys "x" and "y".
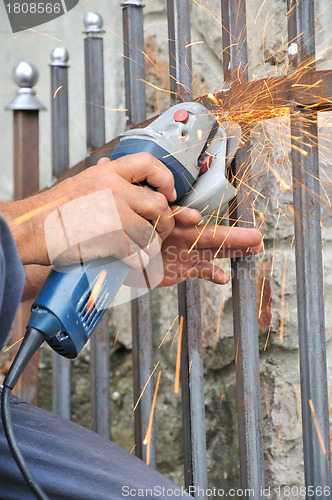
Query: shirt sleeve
{"x": 11, "y": 281}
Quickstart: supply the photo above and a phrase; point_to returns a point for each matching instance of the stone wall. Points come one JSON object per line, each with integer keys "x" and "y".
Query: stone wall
{"x": 276, "y": 306}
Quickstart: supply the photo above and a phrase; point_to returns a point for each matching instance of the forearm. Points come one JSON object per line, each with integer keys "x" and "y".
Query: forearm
{"x": 25, "y": 219}
{"x": 34, "y": 279}
{"x": 22, "y": 229}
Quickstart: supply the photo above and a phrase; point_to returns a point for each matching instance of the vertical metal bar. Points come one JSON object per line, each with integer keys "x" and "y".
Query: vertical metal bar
{"x": 61, "y": 382}
{"x": 309, "y": 267}
{"x": 134, "y": 64}
{"x": 193, "y": 414}
{"x": 95, "y": 127}
{"x": 235, "y": 65}
{"x": 94, "y": 81}
{"x": 142, "y": 368}
{"x": 26, "y": 109}
{"x": 134, "y": 68}
{"x": 180, "y": 63}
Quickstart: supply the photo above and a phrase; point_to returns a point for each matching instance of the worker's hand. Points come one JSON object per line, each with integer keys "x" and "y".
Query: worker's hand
{"x": 181, "y": 260}
{"x": 190, "y": 251}
{"x": 101, "y": 211}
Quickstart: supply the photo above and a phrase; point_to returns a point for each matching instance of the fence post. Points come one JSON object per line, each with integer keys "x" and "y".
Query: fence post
{"x": 235, "y": 63}
{"x": 26, "y": 109}
{"x": 61, "y": 381}
{"x": 95, "y": 131}
{"x": 309, "y": 266}
{"x": 141, "y": 310}
{"x": 193, "y": 411}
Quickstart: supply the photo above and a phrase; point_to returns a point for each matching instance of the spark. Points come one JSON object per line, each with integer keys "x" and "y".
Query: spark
{"x": 104, "y": 107}
{"x": 213, "y": 98}
{"x": 176, "y": 333}
{"x": 147, "y": 439}
{"x": 57, "y": 90}
{"x": 217, "y": 216}
{"x": 318, "y": 430}
{"x": 237, "y": 350}
{"x": 36, "y": 211}
{"x": 45, "y": 34}
{"x": 328, "y": 371}
{"x": 157, "y": 88}
{"x": 145, "y": 386}
{"x": 283, "y": 301}
{"x": 223, "y": 242}
{"x": 221, "y": 400}
{"x": 283, "y": 184}
{"x": 267, "y": 411}
{"x": 153, "y": 231}
{"x": 178, "y": 359}
{"x": 200, "y": 234}
{"x": 95, "y": 290}
{"x": 261, "y": 300}
{"x": 131, "y": 451}
{"x": 199, "y": 134}
{"x": 12, "y": 345}
{"x": 193, "y": 43}
{"x": 166, "y": 334}
{"x": 302, "y": 151}
{"x": 116, "y": 338}
{"x": 220, "y": 314}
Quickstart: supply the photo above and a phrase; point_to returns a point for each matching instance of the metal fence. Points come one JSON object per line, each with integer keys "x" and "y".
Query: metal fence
{"x": 303, "y": 106}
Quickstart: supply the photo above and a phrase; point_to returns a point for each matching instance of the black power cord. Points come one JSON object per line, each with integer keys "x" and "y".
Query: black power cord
{"x": 31, "y": 343}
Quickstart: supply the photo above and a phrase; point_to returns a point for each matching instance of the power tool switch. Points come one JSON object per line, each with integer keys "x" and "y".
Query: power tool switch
{"x": 181, "y": 115}
{"x": 204, "y": 164}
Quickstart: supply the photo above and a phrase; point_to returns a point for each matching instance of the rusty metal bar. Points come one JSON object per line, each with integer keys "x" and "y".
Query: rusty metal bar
{"x": 133, "y": 36}
{"x": 61, "y": 381}
{"x": 193, "y": 413}
{"x": 94, "y": 81}
{"x": 142, "y": 368}
{"x": 95, "y": 127}
{"x": 180, "y": 64}
{"x": 243, "y": 283}
{"x": 134, "y": 64}
{"x": 309, "y": 266}
{"x": 26, "y": 109}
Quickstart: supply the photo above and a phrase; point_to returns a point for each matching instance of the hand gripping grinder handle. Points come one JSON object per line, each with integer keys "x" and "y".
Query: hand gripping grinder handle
{"x": 197, "y": 149}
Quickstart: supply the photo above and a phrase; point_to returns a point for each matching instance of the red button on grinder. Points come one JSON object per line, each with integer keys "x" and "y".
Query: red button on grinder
{"x": 204, "y": 165}
{"x": 181, "y": 115}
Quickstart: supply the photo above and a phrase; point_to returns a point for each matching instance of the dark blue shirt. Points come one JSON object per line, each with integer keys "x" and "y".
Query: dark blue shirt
{"x": 11, "y": 281}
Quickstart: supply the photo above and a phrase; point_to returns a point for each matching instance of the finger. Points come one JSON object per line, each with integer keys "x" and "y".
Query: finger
{"x": 185, "y": 216}
{"x": 219, "y": 237}
{"x": 211, "y": 254}
{"x": 102, "y": 160}
{"x": 116, "y": 244}
{"x": 207, "y": 271}
{"x": 145, "y": 167}
{"x": 153, "y": 206}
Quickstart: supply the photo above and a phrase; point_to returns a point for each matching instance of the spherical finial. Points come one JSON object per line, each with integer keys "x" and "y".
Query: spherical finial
{"x": 93, "y": 22}
{"x": 25, "y": 75}
{"x": 59, "y": 56}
